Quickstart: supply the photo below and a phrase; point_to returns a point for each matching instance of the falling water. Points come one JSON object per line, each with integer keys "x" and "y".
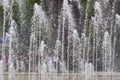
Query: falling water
{"x": 107, "y": 53}
{"x": 1, "y": 70}
{"x": 68, "y": 14}
{"x": 85, "y": 51}
{"x": 43, "y": 66}
{"x": 21, "y": 6}
{"x": 88, "y": 71}
{"x": 12, "y": 49}
{"x": 39, "y": 26}
{"x": 5, "y": 7}
{"x": 76, "y": 51}
{"x": 31, "y": 54}
{"x": 117, "y": 19}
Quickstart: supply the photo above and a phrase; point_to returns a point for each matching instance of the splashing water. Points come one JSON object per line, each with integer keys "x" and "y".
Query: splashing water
{"x": 72, "y": 52}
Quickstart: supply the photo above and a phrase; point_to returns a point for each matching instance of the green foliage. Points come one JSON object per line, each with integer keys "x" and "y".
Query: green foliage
{"x": 84, "y": 3}
{"x": 24, "y": 30}
{"x": 29, "y": 10}
{"x": 30, "y": 3}
{"x": 1, "y": 18}
{"x": 48, "y": 36}
{"x": 89, "y": 12}
{"x": 16, "y": 15}
{"x": 35, "y": 1}
{"x": 91, "y": 9}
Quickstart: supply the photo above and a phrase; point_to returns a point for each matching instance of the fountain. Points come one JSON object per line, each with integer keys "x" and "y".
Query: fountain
{"x": 88, "y": 71}
{"x": 107, "y": 55}
{"x": 87, "y": 54}
{"x": 1, "y": 70}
